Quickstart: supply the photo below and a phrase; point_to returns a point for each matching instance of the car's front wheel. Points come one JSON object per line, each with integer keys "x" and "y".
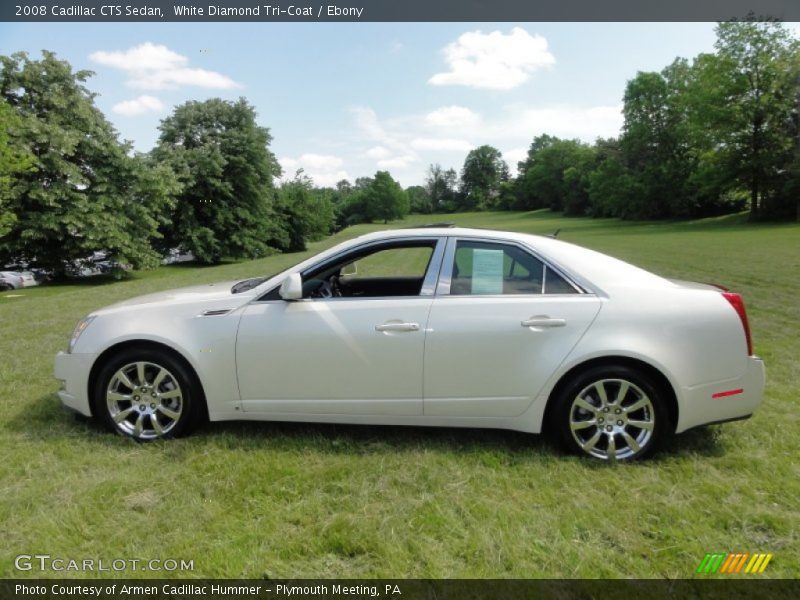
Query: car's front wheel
{"x": 147, "y": 394}
{"x": 612, "y": 413}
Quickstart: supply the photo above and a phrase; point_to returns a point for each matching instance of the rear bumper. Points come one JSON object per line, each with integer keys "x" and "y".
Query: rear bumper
{"x": 735, "y": 399}
{"x": 72, "y": 370}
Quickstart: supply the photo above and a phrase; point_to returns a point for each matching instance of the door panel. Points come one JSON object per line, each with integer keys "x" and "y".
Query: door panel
{"x": 326, "y": 356}
{"x": 480, "y": 360}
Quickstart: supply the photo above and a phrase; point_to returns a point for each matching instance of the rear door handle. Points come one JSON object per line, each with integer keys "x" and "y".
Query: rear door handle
{"x": 543, "y": 321}
{"x": 397, "y": 327}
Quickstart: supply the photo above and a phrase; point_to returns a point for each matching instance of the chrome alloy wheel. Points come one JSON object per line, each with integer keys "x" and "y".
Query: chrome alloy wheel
{"x": 144, "y": 400}
{"x": 612, "y": 419}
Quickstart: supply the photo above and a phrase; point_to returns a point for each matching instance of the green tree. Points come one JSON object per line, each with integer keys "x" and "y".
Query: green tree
{"x": 222, "y": 159}
{"x": 83, "y": 191}
{"x": 753, "y": 81}
{"x": 354, "y": 209}
{"x": 344, "y": 187}
{"x": 385, "y": 198}
{"x": 352, "y": 206}
{"x": 654, "y": 145}
{"x": 526, "y": 195}
{"x": 419, "y": 200}
{"x": 373, "y": 199}
{"x": 611, "y": 187}
{"x": 441, "y": 187}
{"x": 15, "y": 160}
{"x": 307, "y": 213}
{"x": 338, "y": 197}
{"x": 483, "y": 174}
{"x": 555, "y": 175}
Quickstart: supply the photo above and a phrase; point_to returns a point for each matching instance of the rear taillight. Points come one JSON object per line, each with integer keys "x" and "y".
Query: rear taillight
{"x": 738, "y": 305}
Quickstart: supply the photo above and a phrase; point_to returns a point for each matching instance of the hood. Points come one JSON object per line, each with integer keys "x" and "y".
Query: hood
{"x": 215, "y": 295}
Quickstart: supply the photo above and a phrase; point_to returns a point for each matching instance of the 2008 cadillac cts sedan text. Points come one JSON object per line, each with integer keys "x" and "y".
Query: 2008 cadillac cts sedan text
{"x": 429, "y": 326}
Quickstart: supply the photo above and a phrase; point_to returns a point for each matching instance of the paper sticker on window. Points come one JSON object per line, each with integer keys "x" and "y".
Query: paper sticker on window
{"x": 487, "y": 271}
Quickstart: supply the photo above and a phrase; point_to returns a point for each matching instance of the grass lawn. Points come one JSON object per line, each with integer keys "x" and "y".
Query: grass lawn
{"x": 289, "y": 500}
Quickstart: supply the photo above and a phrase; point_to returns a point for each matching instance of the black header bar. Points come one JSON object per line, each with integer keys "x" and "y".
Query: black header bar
{"x": 294, "y": 11}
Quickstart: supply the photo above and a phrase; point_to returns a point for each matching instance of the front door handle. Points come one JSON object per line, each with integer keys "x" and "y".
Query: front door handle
{"x": 543, "y": 321}
{"x": 397, "y": 327}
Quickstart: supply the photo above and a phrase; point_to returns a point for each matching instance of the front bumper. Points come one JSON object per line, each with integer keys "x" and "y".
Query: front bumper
{"x": 737, "y": 398}
{"x": 73, "y": 372}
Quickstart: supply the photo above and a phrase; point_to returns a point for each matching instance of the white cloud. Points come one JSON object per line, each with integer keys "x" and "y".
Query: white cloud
{"x": 367, "y": 121}
{"x": 514, "y": 156}
{"x": 156, "y": 67}
{"x": 324, "y": 169}
{"x": 441, "y": 145}
{"x": 144, "y": 57}
{"x": 320, "y": 161}
{"x": 494, "y": 60}
{"x": 171, "y": 79}
{"x": 398, "y": 162}
{"x": 138, "y": 106}
{"x": 377, "y": 153}
{"x": 586, "y": 123}
{"x": 392, "y": 151}
{"x": 452, "y": 116}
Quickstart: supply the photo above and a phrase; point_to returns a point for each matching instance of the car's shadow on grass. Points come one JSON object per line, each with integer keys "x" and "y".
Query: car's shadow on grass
{"x": 46, "y": 419}
{"x": 337, "y": 438}
{"x": 702, "y": 441}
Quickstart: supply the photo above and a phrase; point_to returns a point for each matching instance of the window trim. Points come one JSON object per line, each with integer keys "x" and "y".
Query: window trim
{"x": 429, "y": 281}
{"x": 446, "y": 271}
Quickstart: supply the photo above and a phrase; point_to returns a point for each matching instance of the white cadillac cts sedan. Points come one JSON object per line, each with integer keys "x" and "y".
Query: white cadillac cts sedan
{"x": 428, "y": 326}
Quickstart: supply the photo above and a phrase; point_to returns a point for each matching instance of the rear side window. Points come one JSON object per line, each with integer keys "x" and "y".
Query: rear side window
{"x": 556, "y": 284}
{"x": 487, "y": 268}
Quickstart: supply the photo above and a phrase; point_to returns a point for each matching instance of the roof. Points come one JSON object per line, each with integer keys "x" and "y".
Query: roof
{"x": 449, "y": 231}
{"x": 588, "y": 267}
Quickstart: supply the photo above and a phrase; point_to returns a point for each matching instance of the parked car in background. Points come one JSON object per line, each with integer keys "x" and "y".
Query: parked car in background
{"x": 98, "y": 263}
{"x": 175, "y": 255}
{"x": 6, "y": 283}
{"x": 10, "y": 280}
{"x": 442, "y": 327}
{"x": 29, "y": 279}
{"x": 18, "y": 279}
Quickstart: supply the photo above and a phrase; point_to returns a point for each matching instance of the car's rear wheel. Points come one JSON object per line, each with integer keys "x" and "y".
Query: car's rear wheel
{"x": 612, "y": 413}
{"x": 147, "y": 394}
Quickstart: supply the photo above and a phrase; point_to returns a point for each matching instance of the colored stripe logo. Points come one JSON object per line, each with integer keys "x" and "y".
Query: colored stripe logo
{"x": 734, "y": 563}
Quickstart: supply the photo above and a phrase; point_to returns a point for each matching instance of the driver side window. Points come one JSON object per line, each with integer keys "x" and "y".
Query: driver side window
{"x": 388, "y": 270}
{"x": 392, "y": 262}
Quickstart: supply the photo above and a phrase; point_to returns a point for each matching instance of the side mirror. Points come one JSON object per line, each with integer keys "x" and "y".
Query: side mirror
{"x": 349, "y": 269}
{"x": 292, "y": 287}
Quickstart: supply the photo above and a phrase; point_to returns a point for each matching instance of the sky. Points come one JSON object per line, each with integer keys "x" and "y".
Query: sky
{"x": 344, "y": 100}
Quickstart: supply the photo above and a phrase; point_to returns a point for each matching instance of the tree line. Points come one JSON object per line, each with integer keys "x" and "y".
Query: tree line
{"x": 703, "y": 137}
{"x": 706, "y": 136}
{"x": 69, "y": 187}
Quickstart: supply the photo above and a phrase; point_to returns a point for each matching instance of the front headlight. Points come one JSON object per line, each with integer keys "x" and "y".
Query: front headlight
{"x": 79, "y": 329}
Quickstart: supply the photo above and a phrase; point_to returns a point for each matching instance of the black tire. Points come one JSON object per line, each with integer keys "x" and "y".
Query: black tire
{"x": 605, "y": 432}
{"x": 167, "y": 403}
